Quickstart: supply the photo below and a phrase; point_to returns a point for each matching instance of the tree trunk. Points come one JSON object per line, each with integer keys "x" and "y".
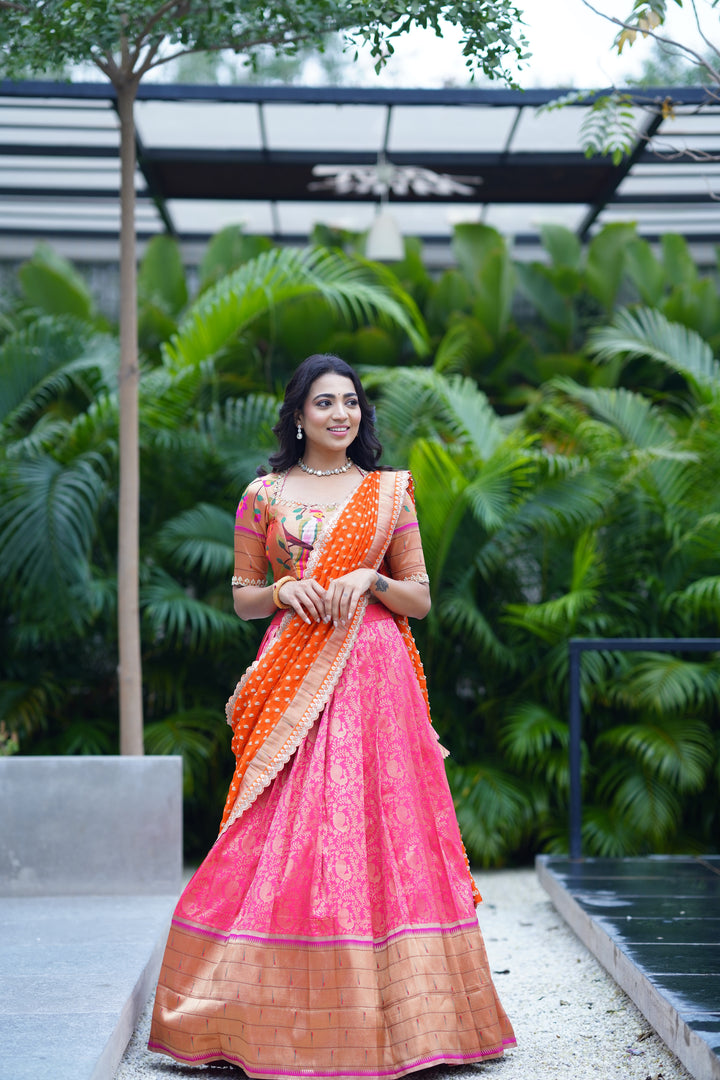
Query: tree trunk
{"x": 130, "y": 668}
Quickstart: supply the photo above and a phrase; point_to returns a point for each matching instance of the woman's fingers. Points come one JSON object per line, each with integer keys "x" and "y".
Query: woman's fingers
{"x": 306, "y": 598}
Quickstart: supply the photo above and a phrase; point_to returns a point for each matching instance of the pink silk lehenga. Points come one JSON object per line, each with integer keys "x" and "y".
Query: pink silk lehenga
{"x": 331, "y": 931}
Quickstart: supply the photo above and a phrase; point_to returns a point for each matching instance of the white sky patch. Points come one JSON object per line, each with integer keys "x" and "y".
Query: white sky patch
{"x": 571, "y": 46}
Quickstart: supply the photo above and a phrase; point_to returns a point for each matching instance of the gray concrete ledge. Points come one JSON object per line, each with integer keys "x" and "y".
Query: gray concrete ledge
{"x": 90, "y": 870}
{"x": 691, "y": 1048}
{"x": 90, "y": 825}
{"x": 75, "y": 973}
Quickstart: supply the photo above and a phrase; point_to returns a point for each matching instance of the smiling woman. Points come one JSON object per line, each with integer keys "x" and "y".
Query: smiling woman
{"x": 331, "y": 931}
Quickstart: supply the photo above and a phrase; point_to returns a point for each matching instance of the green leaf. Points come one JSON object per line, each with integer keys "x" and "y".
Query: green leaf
{"x": 605, "y": 263}
{"x": 680, "y": 268}
{"x": 200, "y": 539}
{"x": 227, "y": 250}
{"x": 48, "y": 520}
{"x": 647, "y": 333}
{"x": 563, "y": 245}
{"x": 665, "y": 683}
{"x": 356, "y": 291}
{"x": 161, "y": 277}
{"x": 51, "y": 284}
{"x": 494, "y": 809}
{"x": 484, "y": 259}
{"x": 184, "y": 621}
{"x": 645, "y": 271}
{"x": 675, "y": 750}
{"x": 536, "y": 281}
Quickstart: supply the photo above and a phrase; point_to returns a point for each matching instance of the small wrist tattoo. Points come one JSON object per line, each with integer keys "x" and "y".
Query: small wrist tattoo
{"x": 381, "y": 584}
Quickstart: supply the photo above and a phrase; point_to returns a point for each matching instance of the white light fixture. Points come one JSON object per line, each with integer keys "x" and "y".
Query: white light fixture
{"x": 384, "y": 241}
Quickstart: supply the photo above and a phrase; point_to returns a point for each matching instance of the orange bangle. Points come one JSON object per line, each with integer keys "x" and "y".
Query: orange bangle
{"x": 276, "y": 588}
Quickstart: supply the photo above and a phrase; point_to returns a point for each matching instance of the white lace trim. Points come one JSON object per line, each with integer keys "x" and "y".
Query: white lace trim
{"x": 239, "y": 582}
{"x": 422, "y": 578}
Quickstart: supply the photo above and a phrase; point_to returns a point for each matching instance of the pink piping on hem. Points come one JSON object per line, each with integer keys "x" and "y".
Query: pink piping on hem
{"x": 419, "y": 1063}
{"x": 310, "y": 943}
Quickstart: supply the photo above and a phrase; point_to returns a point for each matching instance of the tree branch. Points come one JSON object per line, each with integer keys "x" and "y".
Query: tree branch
{"x": 151, "y": 54}
{"x": 701, "y": 32}
{"x": 701, "y": 61}
{"x": 155, "y": 19}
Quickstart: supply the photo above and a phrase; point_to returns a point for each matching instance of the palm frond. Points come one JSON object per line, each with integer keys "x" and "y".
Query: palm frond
{"x": 357, "y": 291}
{"x": 494, "y": 493}
{"x": 41, "y": 361}
{"x": 646, "y": 332}
{"x": 200, "y": 539}
{"x": 494, "y": 810}
{"x": 459, "y": 612}
{"x": 240, "y": 433}
{"x": 192, "y": 734}
{"x": 48, "y": 519}
{"x": 701, "y": 595}
{"x": 440, "y": 488}
{"x": 639, "y": 422}
{"x": 177, "y": 619}
{"x": 606, "y": 833}
{"x": 469, "y": 413}
{"x": 649, "y": 807}
{"x": 529, "y": 731}
{"x": 676, "y": 750}
{"x": 453, "y": 350}
{"x": 665, "y": 683}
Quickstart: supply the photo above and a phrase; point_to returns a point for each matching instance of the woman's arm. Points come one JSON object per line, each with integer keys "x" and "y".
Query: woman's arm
{"x": 411, "y": 598}
{"x": 253, "y": 601}
{"x": 305, "y": 597}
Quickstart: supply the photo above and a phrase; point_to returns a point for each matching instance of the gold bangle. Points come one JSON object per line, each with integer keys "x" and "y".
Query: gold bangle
{"x": 276, "y": 588}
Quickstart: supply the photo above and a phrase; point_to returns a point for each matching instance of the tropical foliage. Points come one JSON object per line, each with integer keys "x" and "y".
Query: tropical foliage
{"x": 562, "y": 423}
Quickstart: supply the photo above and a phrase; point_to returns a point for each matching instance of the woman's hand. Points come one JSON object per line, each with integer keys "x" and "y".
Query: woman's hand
{"x": 344, "y": 593}
{"x": 306, "y": 597}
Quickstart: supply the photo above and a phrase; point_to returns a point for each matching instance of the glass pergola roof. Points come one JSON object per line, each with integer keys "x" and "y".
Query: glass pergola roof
{"x": 281, "y": 159}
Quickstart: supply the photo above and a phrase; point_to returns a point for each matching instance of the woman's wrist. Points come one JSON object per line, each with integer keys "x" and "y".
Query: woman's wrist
{"x": 276, "y": 591}
{"x": 379, "y": 585}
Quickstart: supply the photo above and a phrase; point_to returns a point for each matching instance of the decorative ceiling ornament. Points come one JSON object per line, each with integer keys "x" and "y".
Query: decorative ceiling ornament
{"x": 384, "y": 178}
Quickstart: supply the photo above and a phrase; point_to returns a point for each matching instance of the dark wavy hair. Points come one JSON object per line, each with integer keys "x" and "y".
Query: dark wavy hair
{"x": 365, "y": 449}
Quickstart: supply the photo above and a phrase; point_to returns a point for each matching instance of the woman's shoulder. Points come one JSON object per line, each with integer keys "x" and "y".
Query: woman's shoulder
{"x": 257, "y": 496}
{"x": 262, "y": 485}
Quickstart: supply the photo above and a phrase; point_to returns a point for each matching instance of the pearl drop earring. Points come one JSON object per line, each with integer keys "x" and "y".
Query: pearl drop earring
{"x": 299, "y": 431}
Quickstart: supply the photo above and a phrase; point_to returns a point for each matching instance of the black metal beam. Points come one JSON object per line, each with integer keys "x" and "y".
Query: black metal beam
{"x": 343, "y": 95}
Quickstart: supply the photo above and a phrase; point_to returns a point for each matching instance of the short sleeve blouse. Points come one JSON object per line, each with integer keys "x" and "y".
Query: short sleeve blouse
{"x": 275, "y": 536}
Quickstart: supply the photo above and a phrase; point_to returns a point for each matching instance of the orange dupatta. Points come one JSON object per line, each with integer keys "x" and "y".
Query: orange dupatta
{"x": 284, "y": 691}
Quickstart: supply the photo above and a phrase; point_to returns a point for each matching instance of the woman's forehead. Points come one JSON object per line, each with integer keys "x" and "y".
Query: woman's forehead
{"x": 332, "y": 384}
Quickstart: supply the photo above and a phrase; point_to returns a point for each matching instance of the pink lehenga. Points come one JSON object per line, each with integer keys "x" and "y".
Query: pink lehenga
{"x": 331, "y": 931}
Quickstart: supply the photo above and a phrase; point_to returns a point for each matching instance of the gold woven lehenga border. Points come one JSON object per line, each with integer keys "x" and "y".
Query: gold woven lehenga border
{"x": 340, "y": 1010}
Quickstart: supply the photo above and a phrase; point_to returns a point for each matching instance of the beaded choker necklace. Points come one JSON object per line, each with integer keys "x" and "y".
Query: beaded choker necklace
{"x": 324, "y": 472}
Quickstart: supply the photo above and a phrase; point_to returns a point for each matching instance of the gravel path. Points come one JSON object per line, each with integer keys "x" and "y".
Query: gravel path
{"x": 570, "y": 1018}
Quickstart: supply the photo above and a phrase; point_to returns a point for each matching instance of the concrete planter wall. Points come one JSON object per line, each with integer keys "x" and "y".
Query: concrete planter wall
{"x": 90, "y": 825}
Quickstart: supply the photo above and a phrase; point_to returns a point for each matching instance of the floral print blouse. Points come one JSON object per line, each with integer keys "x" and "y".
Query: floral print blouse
{"x": 278, "y": 534}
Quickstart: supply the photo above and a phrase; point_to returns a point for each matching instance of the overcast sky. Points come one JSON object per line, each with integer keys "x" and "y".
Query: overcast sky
{"x": 570, "y": 45}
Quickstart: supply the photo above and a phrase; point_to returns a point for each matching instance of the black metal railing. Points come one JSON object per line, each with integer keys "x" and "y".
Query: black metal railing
{"x": 578, "y": 646}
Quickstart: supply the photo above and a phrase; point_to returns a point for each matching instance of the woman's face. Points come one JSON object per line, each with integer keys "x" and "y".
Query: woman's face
{"x": 331, "y": 415}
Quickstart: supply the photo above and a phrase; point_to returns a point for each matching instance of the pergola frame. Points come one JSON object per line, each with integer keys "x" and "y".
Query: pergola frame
{"x": 189, "y": 182}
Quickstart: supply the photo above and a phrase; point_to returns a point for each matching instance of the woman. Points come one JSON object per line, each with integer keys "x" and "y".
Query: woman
{"x": 331, "y": 931}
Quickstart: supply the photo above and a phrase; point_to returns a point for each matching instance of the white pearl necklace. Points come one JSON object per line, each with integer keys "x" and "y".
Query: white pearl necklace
{"x": 324, "y": 472}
